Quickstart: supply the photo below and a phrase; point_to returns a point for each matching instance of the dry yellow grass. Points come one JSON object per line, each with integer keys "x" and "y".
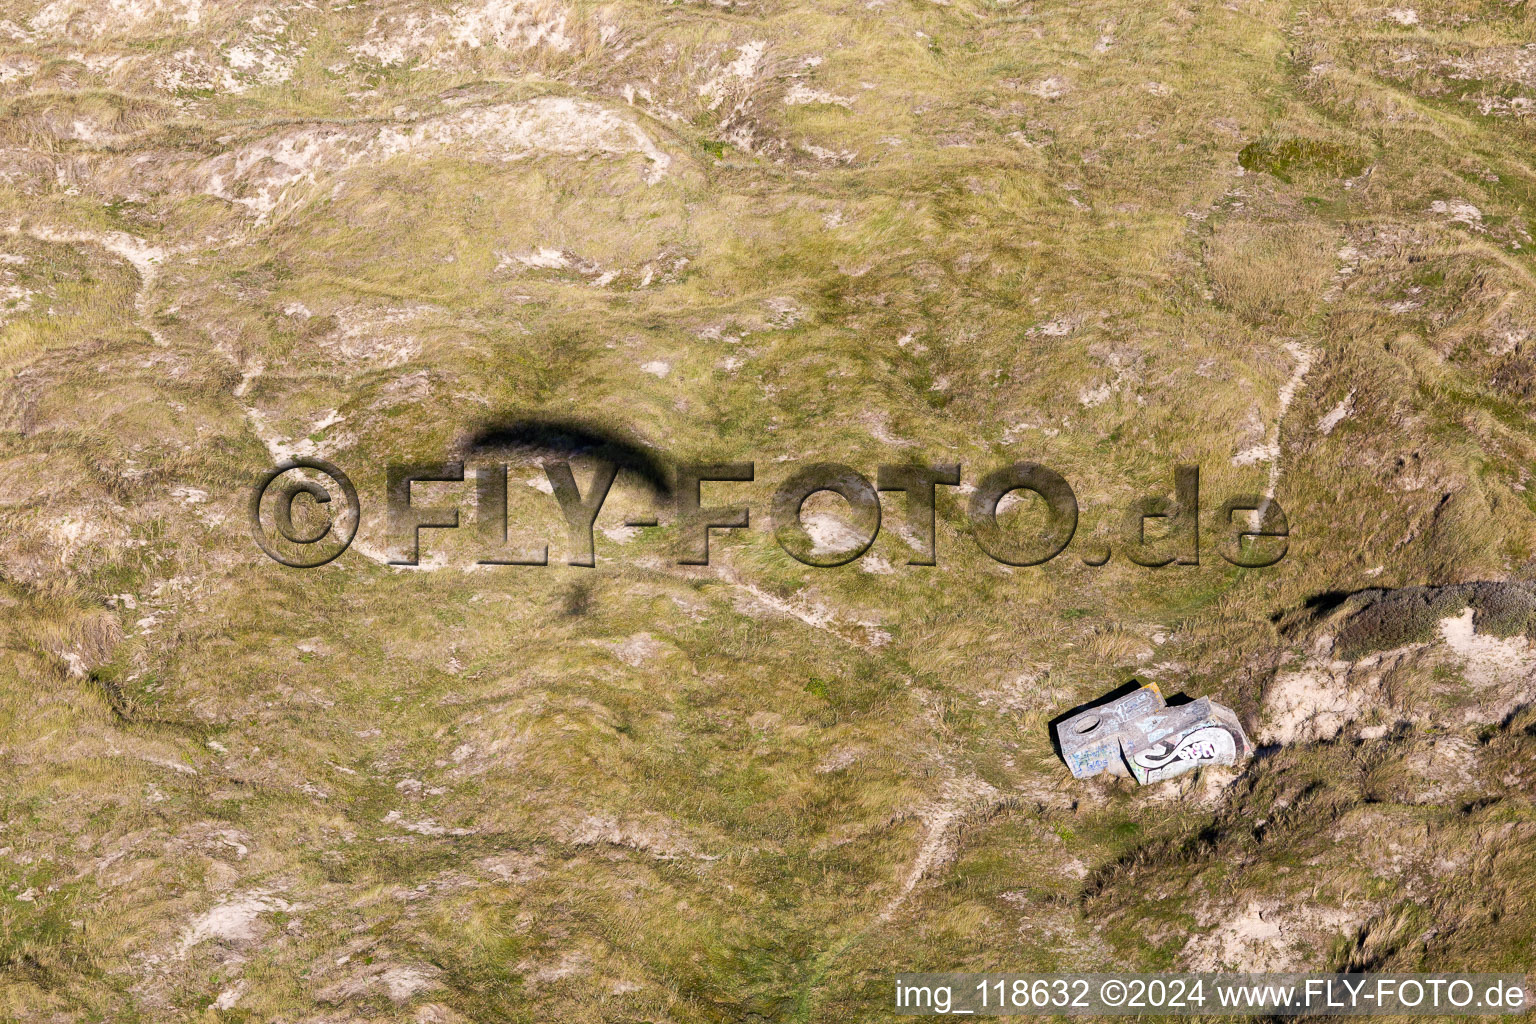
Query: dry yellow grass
{"x": 1288, "y": 243}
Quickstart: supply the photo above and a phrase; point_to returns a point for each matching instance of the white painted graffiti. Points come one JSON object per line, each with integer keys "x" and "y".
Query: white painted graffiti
{"x": 1207, "y": 745}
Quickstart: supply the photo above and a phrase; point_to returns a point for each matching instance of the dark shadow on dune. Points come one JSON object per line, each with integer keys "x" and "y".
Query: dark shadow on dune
{"x": 1317, "y": 606}
{"x": 1383, "y": 618}
{"x": 1327, "y": 601}
{"x": 531, "y": 437}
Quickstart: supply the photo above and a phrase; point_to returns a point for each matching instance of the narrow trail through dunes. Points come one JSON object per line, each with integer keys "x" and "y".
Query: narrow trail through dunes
{"x": 1269, "y": 451}
{"x": 941, "y": 819}
{"x": 263, "y": 176}
{"x": 141, "y": 255}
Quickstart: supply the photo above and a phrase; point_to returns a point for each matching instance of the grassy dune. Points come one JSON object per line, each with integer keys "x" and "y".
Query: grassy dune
{"x": 1288, "y": 243}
